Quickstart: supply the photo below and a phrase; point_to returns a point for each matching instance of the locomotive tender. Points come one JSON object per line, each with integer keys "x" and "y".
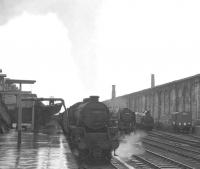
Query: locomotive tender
{"x": 86, "y": 125}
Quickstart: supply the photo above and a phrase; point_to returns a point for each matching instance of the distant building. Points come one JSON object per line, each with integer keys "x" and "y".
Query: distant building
{"x": 8, "y": 85}
{"x": 177, "y": 96}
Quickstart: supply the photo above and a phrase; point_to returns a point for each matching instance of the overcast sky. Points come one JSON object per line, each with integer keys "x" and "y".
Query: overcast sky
{"x": 77, "y": 48}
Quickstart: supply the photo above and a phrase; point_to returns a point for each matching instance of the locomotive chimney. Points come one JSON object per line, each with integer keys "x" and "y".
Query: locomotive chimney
{"x": 94, "y": 98}
{"x": 152, "y": 80}
{"x": 113, "y": 92}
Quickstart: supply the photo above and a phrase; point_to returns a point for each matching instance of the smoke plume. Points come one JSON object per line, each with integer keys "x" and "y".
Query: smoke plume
{"x": 79, "y": 18}
{"x": 130, "y": 145}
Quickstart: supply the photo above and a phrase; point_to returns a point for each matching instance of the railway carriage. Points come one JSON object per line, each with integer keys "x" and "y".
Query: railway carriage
{"x": 182, "y": 122}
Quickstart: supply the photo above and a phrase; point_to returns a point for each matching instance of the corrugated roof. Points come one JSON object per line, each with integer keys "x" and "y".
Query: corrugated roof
{"x": 10, "y": 81}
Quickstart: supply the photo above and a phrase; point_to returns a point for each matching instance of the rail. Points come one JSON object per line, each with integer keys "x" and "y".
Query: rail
{"x": 115, "y": 163}
{"x": 157, "y": 161}
{"x": 172, "y": 137}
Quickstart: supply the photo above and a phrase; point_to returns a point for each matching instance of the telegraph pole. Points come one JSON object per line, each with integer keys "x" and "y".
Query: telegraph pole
{"x": 19, "y": 121}
{"x": 33, "y": 117}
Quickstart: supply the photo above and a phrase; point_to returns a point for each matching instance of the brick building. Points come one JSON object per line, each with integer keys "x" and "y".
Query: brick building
{"x": 177, "y": 96}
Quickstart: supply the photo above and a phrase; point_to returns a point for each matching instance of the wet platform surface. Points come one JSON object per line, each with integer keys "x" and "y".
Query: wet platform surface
{"x": 37, "y": 151}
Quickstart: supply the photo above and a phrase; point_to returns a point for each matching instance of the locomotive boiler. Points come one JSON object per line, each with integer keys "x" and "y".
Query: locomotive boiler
{"x": 86, "y": 125}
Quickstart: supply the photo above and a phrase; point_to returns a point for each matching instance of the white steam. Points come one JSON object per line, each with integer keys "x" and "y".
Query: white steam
{"x": 130, "y": 145}
{"x": 79, "y": 18}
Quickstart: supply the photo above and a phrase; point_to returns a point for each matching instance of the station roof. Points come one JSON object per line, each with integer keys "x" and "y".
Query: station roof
{"x": 14, "y": 92}
{"x": 42, "y": 99}
{"x": 2, "y": 75}
{"x": 10, "y": 81}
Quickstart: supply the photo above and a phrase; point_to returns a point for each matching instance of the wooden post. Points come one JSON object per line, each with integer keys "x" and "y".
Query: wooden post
{"x": 19, "y": 121}
{"x": 20, "y": 87}
{"x": 33, "y": 117}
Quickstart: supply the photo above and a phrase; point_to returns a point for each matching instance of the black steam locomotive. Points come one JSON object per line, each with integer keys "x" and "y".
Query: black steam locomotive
{"x": 144, "y": 120}
{"x": 86, "y": 125}
{"x": 126, "y": 120}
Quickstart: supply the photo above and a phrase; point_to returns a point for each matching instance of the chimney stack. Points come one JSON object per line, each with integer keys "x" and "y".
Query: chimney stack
{"x": 152, "y": 80}
{"x": 113, "y": 92}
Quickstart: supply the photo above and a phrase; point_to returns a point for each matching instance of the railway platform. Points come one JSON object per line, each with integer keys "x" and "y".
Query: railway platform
{"x": 36, "y": 151}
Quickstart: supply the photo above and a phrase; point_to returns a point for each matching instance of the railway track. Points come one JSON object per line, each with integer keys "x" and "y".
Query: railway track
{"x": 181, "y": 152}
{"x": 188, "y": 161}
{"x": 118, "y": 164}
{"x": 115, "y": 163}
{"x": 195, "y": 137}
{"x": 186, "y": 137}
{"x": 152, "y": 160}
{"x": 174, "y": 149}
{"x": 175, "y": 144}
{"x": 108, "y": 166}
{"x": 176, "y": 138}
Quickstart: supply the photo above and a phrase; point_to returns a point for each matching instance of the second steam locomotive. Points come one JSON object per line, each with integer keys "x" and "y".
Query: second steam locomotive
{"x": 128, "y": 120}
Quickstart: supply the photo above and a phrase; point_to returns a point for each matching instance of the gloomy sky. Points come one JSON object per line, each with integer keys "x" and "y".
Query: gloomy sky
{"x": 77, "y": 48}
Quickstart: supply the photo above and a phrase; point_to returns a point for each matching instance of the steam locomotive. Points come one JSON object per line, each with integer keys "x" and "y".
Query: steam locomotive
{"x": 129, "y": 121}
{"x": 126, "y": 120}
{"x": 144, "y": 121}
{"x": 86, "y": 125}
